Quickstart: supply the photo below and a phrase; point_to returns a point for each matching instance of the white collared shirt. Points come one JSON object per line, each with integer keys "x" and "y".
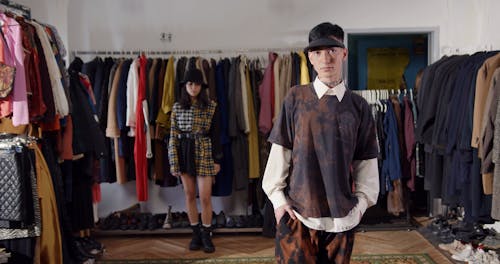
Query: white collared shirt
{"x": 365, "y": 175}
{"x": 322, "y": 89}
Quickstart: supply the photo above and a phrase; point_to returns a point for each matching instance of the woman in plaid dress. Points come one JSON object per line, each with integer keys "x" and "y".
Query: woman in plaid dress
{"x": 194, "y": 152}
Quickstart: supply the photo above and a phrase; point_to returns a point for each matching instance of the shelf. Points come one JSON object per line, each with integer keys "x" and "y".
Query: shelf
{"x": 173, "y": 231}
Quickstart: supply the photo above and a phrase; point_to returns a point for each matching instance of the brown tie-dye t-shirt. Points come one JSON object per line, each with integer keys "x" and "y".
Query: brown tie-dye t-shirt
{"x": 325, "y": 136}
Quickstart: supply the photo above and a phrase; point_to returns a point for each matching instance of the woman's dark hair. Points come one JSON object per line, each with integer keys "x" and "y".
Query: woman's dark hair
{"x": 185, "y": 98}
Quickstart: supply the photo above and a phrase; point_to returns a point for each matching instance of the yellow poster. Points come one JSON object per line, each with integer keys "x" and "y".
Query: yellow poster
{"x": 386, "y": 67}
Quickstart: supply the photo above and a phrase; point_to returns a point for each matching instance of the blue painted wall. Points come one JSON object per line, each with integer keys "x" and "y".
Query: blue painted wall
{"x": 359, "y": 43}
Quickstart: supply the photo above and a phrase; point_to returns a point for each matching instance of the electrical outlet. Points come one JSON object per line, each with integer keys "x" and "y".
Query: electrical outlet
{"x": 166, "y": 37}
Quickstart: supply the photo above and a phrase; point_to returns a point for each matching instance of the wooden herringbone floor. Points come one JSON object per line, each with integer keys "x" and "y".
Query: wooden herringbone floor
{"x": 244, "y": 245}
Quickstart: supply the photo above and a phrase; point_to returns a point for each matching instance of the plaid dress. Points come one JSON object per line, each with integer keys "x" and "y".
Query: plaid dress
{"x": 193, "y": 122}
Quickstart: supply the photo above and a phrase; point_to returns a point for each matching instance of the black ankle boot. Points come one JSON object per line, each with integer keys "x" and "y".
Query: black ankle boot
{"x": 195, "y": 243}
{"x": 206, "y": 240}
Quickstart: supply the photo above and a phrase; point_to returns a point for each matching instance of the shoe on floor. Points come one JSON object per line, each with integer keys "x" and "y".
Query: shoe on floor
{"x": 167, "y": 223}
{"x": 220, "y": 219}
{"x": 206, "y": 239}
{"x": 492, "y": 257}
{"x": 230, "y": 221}
{"x": 135, "y": 208}
{"x": 465, "y": 254}
{"x": 196, "y": 242}
{"x": 491, "y": 242}
{"x": 453, "y": 248}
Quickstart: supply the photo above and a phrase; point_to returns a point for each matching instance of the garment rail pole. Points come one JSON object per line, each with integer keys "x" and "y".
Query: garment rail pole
{"x": 18, "y": 9}
{"x": 182, "y": 52}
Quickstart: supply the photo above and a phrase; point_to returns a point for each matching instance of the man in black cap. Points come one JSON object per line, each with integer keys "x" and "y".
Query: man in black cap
{"x": 322, "y": 171}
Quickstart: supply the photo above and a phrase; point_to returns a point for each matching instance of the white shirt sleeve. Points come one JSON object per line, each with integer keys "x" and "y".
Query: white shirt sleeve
{"x": 275, "y": 174}
{"x": 366, "y": 182}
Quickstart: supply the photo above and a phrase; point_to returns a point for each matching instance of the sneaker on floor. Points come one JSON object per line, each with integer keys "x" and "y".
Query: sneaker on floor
{"x": 492, "y": 257}
{"x": 447, "y": 237}
{"x": 495, "y": 226}
{"x": 477, "y": 257}
{"x": 491, "y": 242}
{"x": 465, "y": 254}
{"x": 453, "y": 248}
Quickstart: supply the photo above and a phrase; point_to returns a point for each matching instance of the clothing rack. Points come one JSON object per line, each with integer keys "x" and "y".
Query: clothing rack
{"x": 181, "y": 52}
{"x": 18, "y": 9}
{"x": 374, "y": 97}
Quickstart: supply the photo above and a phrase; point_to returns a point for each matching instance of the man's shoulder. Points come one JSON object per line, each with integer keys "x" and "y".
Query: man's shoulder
{"x": 300, "y": 89}
{"x": 357, "y": 100}
{"x": 298, "y": 92}
{"x": 354, "y": 96}
{"x": 300, "y": 86}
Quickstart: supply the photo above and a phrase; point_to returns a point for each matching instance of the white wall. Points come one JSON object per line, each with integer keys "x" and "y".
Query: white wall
{"x": 225, "y": 24}
{"x": 463, "y": 26}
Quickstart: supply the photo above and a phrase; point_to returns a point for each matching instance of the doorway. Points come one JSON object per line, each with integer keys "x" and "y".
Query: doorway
{"x": 385, "y": 60}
